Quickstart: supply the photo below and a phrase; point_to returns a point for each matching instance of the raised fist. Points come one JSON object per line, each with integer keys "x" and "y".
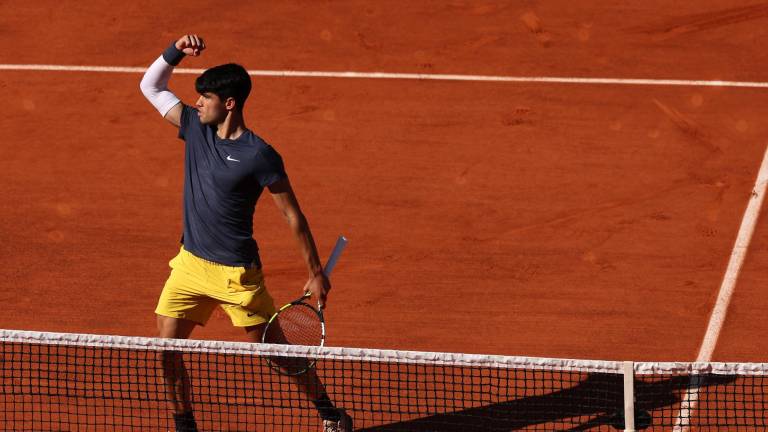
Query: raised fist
{"x": 191, "y": 45}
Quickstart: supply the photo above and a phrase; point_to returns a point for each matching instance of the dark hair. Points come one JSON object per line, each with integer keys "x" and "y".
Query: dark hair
{"x": 225, "y": 81}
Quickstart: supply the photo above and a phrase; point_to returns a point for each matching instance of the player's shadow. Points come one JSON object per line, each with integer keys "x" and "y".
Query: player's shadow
{"x": 596, "y": 401}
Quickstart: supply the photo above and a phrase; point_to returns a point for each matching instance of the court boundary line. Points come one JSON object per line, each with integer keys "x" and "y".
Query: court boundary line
{"x": 727, "y": 287}
{"x": 405, "y": 76}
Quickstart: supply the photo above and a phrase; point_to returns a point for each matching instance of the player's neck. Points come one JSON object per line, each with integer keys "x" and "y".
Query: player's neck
{"x": 232, "y": 127}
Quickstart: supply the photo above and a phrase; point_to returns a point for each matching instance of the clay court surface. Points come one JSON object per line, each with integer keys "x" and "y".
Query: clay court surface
{"x": 537, "y": 219}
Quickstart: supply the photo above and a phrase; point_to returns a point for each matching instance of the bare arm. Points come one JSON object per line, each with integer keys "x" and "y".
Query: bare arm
{"x": 154, "y": 84}
{"x": 174, "y": 115}
{"x": 285, "y": 199}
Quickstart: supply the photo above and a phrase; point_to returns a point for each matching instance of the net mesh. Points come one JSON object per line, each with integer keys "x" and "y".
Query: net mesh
{"x": 72, "y": 382}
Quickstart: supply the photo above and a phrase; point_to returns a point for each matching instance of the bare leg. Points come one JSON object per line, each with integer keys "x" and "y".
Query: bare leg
{"x": 308, "y": 382}
{"x": 175, "y": 374}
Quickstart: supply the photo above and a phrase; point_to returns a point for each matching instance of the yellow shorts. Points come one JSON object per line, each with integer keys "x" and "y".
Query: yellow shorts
{"x": 196, "y": 286}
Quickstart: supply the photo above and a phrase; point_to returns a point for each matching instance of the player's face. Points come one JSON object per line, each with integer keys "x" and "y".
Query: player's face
{"x": 210, "y": 109}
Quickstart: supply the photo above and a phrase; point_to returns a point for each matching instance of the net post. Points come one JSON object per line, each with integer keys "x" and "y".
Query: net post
{"x": 629, "y": 396}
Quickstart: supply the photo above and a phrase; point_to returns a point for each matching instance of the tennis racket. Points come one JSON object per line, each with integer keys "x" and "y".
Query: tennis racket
{"x": 299, "y": 323}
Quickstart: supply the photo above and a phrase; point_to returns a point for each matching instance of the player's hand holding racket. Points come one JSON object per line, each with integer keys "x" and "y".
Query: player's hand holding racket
{"x": 317, "y": 287}
{"x": 300, "y": 323}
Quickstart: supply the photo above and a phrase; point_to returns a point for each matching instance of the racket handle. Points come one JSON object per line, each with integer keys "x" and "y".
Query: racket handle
{"x": 341, "y": 243}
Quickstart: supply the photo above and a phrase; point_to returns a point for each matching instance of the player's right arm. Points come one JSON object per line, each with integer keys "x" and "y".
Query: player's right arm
{"x": 154, "y": 84}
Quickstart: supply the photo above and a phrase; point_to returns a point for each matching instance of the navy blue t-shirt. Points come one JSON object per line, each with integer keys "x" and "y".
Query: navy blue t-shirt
{"x": 223, "y": 179}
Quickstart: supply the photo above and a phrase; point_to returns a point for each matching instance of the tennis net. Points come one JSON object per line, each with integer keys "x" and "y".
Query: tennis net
{"x": 80, "y": 382}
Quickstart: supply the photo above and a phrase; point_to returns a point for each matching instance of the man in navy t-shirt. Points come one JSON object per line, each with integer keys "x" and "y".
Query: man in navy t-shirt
{"x": 226, "y": 169}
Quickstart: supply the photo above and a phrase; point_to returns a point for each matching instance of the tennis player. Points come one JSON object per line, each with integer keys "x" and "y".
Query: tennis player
{"x": 226, "y": 168}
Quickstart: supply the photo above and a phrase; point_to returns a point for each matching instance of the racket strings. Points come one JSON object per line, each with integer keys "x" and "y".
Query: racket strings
{"x": 298, "y": 324}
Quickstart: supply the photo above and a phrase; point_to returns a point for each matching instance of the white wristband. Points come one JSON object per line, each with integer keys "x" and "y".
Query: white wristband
{"x": 154, "y": 86}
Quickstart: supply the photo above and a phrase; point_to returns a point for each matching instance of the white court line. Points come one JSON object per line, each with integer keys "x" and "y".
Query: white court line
{"x": 407, "y": 76}
{"x": 716, "y": 319}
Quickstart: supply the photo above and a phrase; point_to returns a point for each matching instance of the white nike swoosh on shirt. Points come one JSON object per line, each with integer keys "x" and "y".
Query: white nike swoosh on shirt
{"x": 229, "y": 158}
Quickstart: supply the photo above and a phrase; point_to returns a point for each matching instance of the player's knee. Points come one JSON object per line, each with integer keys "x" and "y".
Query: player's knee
{"x": 174, "y": 328}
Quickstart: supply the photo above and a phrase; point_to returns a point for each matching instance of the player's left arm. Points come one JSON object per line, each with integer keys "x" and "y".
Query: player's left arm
{"x": 285, "y": 199}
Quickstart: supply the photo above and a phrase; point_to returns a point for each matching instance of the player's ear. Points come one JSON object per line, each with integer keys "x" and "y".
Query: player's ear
{"x": 230, "y": 103}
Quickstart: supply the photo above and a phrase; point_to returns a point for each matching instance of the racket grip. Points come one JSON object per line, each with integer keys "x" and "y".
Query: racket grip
{"x": 341, "y": 243}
